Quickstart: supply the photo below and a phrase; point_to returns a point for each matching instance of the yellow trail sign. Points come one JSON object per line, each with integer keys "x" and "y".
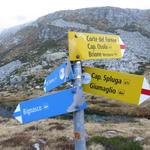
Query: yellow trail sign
{"x": 87, "y": 46}
{"x": 129, "y": 88}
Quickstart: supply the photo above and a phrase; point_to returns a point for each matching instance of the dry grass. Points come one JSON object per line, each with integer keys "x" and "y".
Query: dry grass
{"x": 102, "y": 105}
{"x": 50, "y": 134}
{"x": 58, "y": 134}
{"x": 21, "y": 95}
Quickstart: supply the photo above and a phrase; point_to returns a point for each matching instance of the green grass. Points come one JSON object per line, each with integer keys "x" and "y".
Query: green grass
{"x": 116, "y": 143}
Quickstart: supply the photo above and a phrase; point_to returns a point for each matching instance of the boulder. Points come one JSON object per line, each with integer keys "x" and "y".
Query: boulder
{"x": 54, "y": 56}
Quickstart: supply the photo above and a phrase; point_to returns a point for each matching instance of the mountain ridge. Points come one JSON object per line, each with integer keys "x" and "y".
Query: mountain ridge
{"x": 34, "y": 43}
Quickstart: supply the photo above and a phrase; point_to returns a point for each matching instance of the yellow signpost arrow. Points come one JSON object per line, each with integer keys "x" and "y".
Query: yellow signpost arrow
{"x": 87, "y": 46}
{"x": 129, "y": 88}
{"x": 132, "y": 89}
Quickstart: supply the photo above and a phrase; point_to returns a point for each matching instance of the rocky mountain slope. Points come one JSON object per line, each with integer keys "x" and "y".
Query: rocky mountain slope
{"x": 33, "y": 48}
{"x": 30, "y": 51}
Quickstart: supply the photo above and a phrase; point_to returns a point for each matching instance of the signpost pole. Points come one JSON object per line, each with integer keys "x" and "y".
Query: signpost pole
{"x": 78, "y": 117}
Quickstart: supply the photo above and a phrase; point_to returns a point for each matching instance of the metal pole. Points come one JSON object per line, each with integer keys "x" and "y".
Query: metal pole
{"x": 78, "y": 117}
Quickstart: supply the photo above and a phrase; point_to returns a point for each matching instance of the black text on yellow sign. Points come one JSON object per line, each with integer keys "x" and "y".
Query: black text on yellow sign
{"x": 87, "y": 46}
{"x": 116, "y": 85}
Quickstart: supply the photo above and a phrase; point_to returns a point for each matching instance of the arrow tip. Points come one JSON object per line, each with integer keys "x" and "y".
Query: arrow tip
{"x": 45, "y": 89}
{"x": 144, "y": 91}
{"x": 122, "y": 46}
{"x": 17, "y": 114}
{"x": 19, "y": 118}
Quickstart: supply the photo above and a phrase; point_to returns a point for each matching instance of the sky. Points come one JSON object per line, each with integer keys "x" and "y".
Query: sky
{"x": 15, "y": 12}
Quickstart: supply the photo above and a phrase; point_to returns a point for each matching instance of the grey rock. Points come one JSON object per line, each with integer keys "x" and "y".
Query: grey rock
{"x": 37, "y": 87}
{"x": 139, "y": 139}
{"x": 54, "y": 56}
{"x": 36, "y": 69}
{"x": 96, "y": 147}
{"x": 7, "y": 69}
{"x": 44, "y": 63}
{"x": 66, "y": 24}
{"x": 36, "y": 146}
{"x": 58, "y": 55}
{"x": 16, "y": 80}
{"x": 112, "y": 133}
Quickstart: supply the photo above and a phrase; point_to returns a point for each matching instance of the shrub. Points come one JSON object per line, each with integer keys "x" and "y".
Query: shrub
{"x": 116, "y": 143}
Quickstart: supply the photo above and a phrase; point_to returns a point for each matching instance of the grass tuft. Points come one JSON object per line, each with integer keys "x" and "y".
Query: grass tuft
{"x": 116, "y": 143}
